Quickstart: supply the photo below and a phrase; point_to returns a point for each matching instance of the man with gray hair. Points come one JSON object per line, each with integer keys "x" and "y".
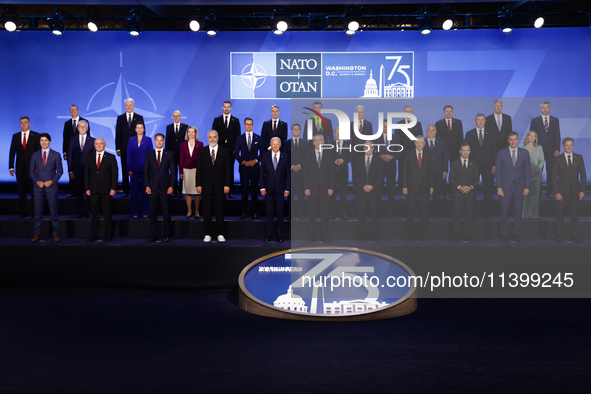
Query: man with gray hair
{"x": 79, "y": 147}
{"x": 124, "y": 130}
{"x": 548, "y": 130}
{"x": 175, "y": 136}
{"x": 365, "y": 127}
{"x": 70, "y": 131}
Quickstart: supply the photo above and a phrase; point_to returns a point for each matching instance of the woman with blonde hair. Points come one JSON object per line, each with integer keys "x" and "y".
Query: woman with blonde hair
{"x": 531, "y": 202}
{"x": 189, "y": 155}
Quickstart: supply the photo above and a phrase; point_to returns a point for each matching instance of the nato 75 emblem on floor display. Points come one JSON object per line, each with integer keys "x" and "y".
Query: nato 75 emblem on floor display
{"x": 323, "y": 283}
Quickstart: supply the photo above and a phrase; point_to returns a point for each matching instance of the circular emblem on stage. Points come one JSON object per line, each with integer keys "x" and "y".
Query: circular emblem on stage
{"x": 328, "y": 283}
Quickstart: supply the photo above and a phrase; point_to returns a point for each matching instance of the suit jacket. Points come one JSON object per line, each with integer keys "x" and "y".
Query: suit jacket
{"x": 342, "y": 171}
{"x": 241, "y": 151}
{"x": 503, "y": 134}
{"x": 367, "y": 130}
{"x": 174, "y": 140}
{"x": 569, "y": 180}
{"x": 77, "y": 157}
{"x": 486, "y": 154}
{"x": 70, "y": 132}
{"x": 52, "y": 171}
{"x": 361, "y": 177}
{"x": 227, "y": 137}
{"x": 298, "y": 154}
{"x": 188, "y": 160}
{"x": 267, "y": 131}
{"x": 440, "y": 157}
{"x": 213, "y": 177}
{"x": 453, "y": 139}
{"x": 414, "y": 178}
{"x": 406, "y": 142}
{"x": 458, "y": 176}
{"x": 384, "y": 151}
{"x": 23, "y": 156}
{"x": 327, "y": 133}
{"x": 163, "y": 177}
{"x": 550, "y": 141}
{"x": 101, "y": 180}
{"x": 136, "y": 155}
{"x": 319, "y": 180}
{"x": 275, "y": 181}
{"x": 123, "y": 132}
{"x": 507, "y": 175}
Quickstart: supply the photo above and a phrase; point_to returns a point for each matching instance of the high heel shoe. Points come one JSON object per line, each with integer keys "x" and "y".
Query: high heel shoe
{"x": 189, "y": 215}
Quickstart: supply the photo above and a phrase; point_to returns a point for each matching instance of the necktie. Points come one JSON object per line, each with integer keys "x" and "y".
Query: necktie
{"x": 24, "y": 141}
{"x": 296, "y": 142}
{"x": 420, "y": 161}
{"x": 431, "y": 145}
{"x": 274, "y": 126}
{"x": 360, "y": 127}
{"x": 158, "y": 159}
{"x": 367, "y": 166}
{"x": 275, "y": 161}
{"x": 98, "y": 163}
{"x": 177, "y": 129}
{"x": 449, "y": 125}
{"x": 129, "y": 120}
{"x": 74, "y": 125}
{"x": 82, "y": 144}
{"x": 465, "y": 164}
{"x": 480, "y": 138}
{"x": 248, "y": 143}
{"x": 546, "y": 123}
{"x": 514, "y": 156}
{"x": 569, "y": 162}
{"x": 212, "y": 157}
{"x": 227, "y": 122}
{"x": 319, "y": 159}
{"x": 499, "y": 122}
{"x": 45, "y": 158}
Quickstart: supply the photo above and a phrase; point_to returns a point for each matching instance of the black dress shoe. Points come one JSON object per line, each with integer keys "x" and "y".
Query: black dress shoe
{"x": 269, "y": 239}
{"x": 325, "y": 240}
{"x": 125, "y": 194}
{"x": 424, "y": 239}
{"x": 152, "y": 239}
{"x": 243, "y": 216}
{"x": 78, "y": 216}
{"x": 576, "y": 239}
{"x": 255, "y": 216}
{"x": 469, "y": 239}
{"x": 279, "y": 239}
{"x": 165, "y": 239}
{"x": 505, "y": 238}
{"x": 71, "y": 195}
{"x": 91, "y": 239}
{"x": 456, "y": 239}
{"x": 311, "y": 239}
{"x": 108, "y": 239}
{"x": 559, "y": 239}
{"x": 517, "y": 238}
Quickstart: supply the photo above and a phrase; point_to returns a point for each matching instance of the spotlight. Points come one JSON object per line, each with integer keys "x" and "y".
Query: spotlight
{"x": 506, "y": 22}
{"x": 446, "y": 19}
{"x": 211, "y": 25}
{"x": 94, "y": 19}
{"x": 353, "y": 19}
{"x": 134, "y": 23}
{"x": 425, "y": 24}
{"x": 278, "y": 32}
{"x": 281, "y": 20}
{"x": 56, "y": 24}
{"x": 194, "y": 25}
{"x": 10, "y": 18}
{"x": 350, "y": 32}
{"x": 196, "y": 19}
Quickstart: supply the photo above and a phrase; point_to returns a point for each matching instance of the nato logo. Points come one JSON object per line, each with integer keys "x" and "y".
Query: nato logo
{"x": 328, "y": 283}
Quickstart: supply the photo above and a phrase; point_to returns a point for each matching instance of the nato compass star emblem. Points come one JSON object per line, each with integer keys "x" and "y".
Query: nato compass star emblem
{"x": 253, "y": 75}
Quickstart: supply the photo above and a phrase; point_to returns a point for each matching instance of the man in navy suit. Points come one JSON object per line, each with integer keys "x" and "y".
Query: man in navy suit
{"x": 175, "y": 136}
{"x": 368, "y": 179}
{"x": 440, "y": 157}
{"x": 159, "y": 177}
{"x": 548, "y": 129}
{"x": 483, "y": 148}
{"x": 228, "y": 128}
{"x": 274, "y": 127}
{"x": 388, "y": 153}
{"x": 275, "y": 182}
{"x": 364, "y": 127}
{"x": 324, "y": 129}
{"x": 513, "y": 171}
{"x": 46, "y": 169}
{"x": 569, "y": 183}
{"x": 463, "y": 178}
{"x": 23, "y": 145}
{"x": 296, "y": 150}
{"x": 343, "y": 154}
{"x": 79, "y": 147}
{"x": 319, "y": 179}
{"x": 249, "y": 148}
{"x": 124, "y": 130}
{"x": 500, "y": 125}
{"x": 451, "y": 131}
{"x": 70, "y": 131}
{"x": 406, "y": 142}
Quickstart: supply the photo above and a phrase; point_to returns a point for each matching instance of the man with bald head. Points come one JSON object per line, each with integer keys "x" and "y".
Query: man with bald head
{"x": 100, "y": 183}
{"x": 124, "y": 130}
{"x": 175, "y": 136}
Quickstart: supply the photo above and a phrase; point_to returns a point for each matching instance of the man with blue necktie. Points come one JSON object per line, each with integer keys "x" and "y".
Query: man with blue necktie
{"x": 249, "y": 148}
{"x": 275, "y": 183}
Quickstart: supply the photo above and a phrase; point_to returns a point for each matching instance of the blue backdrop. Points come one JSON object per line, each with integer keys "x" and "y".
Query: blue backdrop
{"x": 164, "y": 71}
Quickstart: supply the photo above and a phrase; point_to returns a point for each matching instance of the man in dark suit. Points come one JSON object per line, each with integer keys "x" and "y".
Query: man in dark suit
{"x": 274, "y": 127}
{"x": 513, "y": 171}
{"x": 228, "y": 128}
{"x": 45, "y": 170}
{"x": 500, "y": 125}
{"x": 569, "y": 182}
{"x": 417, "y": 182}
{"x": 100, "y": 182}
{"x": 463, "y": 178}
{"x": 22, "y": 147}
{"x": 79, "y": 147}
{"x": 416, "y": 130}
{"x": 159, "y": 177}
{"x": 296, "y": 150}
{"x": 368, "y": 179}
{"x": 249, "y": 148}
{"x": 440, "y": 157}
{"x": 124, "y": 130}
{"x": 212, "y": 180}
{"x": 324, "y": 129}
{"x": 483, "y": 147}
{"x": 343, "y": 154}
{"x": 362, "y": 127}
{"x": 319, "y": 179}
{"x": 451, "y": 131}
{"x": 275, "y": 182}
{"x": 175, "y": 136}
{"x": 70, "y": 131}
{"x": 548, "y": 129}
{"x": 388, "y": 152}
